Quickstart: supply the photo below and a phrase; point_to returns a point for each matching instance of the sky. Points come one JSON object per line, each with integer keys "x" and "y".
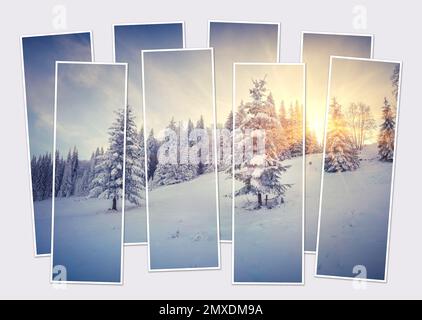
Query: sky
{"x": 316, "y": 52}
{"x": 87, "y": 96}
{"x": 238, "y": 42}
{"x": 285, "y": 82}
{"x": 178, "y": 84}
{"x": 39, "y": 56}
{"x": 362, "y": 81}
{"x": 130, "y": 40}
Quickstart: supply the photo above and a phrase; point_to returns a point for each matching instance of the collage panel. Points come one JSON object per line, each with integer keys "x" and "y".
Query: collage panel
{"x": 358, "y": 172}
{"x": 182, "y": 206}
{"x": 89, "y": 166}
{"x": 268, "y": 173}
{"x": 39, "y": 56}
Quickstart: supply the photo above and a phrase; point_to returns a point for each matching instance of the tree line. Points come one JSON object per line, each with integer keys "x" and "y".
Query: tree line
{"x": 348, "y": 131}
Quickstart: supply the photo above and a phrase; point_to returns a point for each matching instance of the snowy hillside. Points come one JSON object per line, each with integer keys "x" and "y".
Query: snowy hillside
{"x": 354, "y": 219}
{"x": 87, "y": 241}
{"x": 313, "y": 167}
{"x": 268, "y": 242}
{"x": 135, "y": 223}
{"x": 225, "y": 202}
{"x": 183, "y": 225}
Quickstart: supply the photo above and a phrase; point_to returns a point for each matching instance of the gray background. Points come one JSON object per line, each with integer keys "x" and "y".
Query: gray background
{"x": 396, "y": 26}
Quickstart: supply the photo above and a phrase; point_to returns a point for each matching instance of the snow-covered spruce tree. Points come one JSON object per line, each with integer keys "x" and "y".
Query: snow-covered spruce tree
{"x": 277, "y": 134}
{"x": 41, "y": 175}
{"x": 293, "y": 130}
{"x": 387, "y": 133}
{"x": 260, "y": 171}
{"x": 75, "y": 167}
{"x": 135, "y": 165}
{"x": 66, "y": 185}
{"x": 152, "y": 148}
{"x": 201, "y": 165}
{"x": 311, "y": 142}
{"x": 98, "y": 174}
{"x": 60, "y": 164}
{"x": 108, "y": 182}
{"x": 165, "y": 172}
{"x": 229, "y": 122}
{"x": 34, "y": 173}
{"x": 395, "y": 79}
{"x": 341, "y": 153}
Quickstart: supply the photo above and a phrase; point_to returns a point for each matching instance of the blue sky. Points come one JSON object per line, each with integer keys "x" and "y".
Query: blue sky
{"x": 130, "y": 40}
{"x": 238, "y": 42}
{"x": 40, "y": 54}
{"x": 179, "y": 84}
{"x": 87, "y": 96}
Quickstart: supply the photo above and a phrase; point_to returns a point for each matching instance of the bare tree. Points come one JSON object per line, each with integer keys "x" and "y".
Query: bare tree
{"x": 361, "y": 122}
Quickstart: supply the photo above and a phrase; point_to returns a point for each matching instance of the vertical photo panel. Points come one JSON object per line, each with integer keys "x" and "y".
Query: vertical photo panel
{"x": 268, "y": 177}
{"x": 358, "y": 172}
{"x": 129, "y": 41}
{"x": 316, "y": 51}
{"x": 182, "y": 207}
{"x": 234, "y": 42}
{"x": 89, "y": 166}
{"x": 39, "y": 56}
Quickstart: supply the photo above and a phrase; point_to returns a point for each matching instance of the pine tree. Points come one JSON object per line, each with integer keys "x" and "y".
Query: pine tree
{"x": 66, "y": 185}
{"x": 282, "y": 114}
{"x": 83, "y": 189}
{"x": 395, "y": 79}
{"x": 229, "y": 122}
{"x": 152, "y": 149}
{"x": 108, "y": 182}
{"x": 311, "y": 143}
{"x": 262, "y": 172}
{"x": 34, "y": 174}
{"x": 75, "y": 166}
{"x": 341, "y": 154}
{"x": 59, "y": 173}
{"x": 387, "y": 133}
{"x": 135, "y": 155}
{"x": 201, "y": 166}
{"x": 98, "y": 173}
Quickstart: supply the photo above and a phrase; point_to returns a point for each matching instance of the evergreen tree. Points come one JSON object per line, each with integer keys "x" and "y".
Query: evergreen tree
{"x": 311, "y": 143}
{"x": 108, "y": 183}
{"x": 387, "y": 133}
{"x": 395, "y": 79}
{"x": 152, "y": 149}
{"x": 201, "y": 166}
{"x": 66, "y": 185}
{"x": 229, "y": 122}
{"x": 75, "y": 166}
{"x": 261, "y": 173}
{"x": 135, "y": 157}
{"x": 34, "y": 179}
{"x": 282, "y": 115}
{"x": 341, "y": 154}
{"x": 59, "y": 173}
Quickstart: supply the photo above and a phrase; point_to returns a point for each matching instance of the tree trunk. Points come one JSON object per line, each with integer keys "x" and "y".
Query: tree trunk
{"x": 259, "y": 199}
{"x": 114, "y": 204}
{"x": 266, "y": 199}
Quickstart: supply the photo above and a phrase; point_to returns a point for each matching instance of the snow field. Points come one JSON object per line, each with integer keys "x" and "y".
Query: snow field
{"x": 268, "y": 242}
